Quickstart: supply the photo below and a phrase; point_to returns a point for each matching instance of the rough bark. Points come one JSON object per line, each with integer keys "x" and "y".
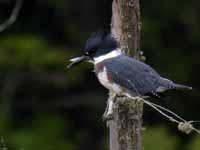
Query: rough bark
{"x": 125, "y": 25}
{"x": 125, "y": 127}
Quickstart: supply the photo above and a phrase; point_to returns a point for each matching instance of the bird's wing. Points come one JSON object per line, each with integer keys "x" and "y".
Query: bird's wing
{"x": 133, "y": 75}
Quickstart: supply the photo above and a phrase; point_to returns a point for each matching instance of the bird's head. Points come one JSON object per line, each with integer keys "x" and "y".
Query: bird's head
{"x": 97, "y": 46}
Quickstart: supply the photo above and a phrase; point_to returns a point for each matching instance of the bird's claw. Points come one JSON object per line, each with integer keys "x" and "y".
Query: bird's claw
{"x": 107, "y": 116}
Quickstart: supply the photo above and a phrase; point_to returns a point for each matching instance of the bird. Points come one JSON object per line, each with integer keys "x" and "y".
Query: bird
{"x": 120, "y": 73}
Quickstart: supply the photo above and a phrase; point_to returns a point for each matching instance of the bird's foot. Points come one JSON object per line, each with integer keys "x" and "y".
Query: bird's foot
{"x": 108, "y": 114}
{"x": 136, "y": 98}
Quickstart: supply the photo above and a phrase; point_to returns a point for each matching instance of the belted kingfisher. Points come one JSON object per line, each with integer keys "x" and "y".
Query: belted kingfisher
{"x": 122, "y": 74}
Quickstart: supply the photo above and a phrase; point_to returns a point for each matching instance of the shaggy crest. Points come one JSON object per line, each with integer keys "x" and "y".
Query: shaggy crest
{"x": 100, "y": 40}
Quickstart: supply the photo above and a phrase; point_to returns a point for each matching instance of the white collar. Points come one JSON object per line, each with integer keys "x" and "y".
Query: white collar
{"x": 109, "y": 55}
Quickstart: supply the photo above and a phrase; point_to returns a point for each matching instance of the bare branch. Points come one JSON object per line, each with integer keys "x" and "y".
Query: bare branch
{"x": 12, "y": 17}
{"x": 169, "y": 111}
{"x": 183, "y": 125}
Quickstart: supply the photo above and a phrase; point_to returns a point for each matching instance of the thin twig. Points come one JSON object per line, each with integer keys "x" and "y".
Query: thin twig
{"x": 169, "y": 111}
{"x": 186, "y": 125}
{"x": 183, "y": 125}
{"x": 196, "y": 121}
{"x": 12, "y": 17}
{"x": 160, "y": 111}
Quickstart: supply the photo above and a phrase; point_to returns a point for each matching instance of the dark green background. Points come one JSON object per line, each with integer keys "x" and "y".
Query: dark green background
{"x": 44, "y": 106}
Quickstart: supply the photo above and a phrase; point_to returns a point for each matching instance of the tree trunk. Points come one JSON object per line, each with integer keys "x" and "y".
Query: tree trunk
{"x": 125, "y": 25}
{"x": 125, "y": 127}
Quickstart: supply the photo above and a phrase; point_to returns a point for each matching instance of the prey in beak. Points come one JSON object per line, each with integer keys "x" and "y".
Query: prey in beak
{"x": 77, "y": 60}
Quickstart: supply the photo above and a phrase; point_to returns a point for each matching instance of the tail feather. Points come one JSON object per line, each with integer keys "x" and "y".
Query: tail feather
{"x": 171, "y": 85}
{"x": 181, "y": 87}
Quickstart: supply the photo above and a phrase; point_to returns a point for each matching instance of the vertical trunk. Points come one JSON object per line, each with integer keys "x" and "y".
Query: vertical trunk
{"x": 125, "y": 25}
{"x": 125, "y": 128}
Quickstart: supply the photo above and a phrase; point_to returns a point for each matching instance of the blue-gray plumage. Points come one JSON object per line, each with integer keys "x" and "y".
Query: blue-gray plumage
{"x": 138, "y": 77}
{"x": 122, "y": 74}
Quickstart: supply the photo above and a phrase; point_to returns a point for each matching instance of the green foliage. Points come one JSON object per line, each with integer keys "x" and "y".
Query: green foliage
{"x": 36, "y": 50}
{"x": 2, "y": 144}
{"x": 159, "y": 138}
{"x": 47, "y": 133}
{"x": 194, "y": 144}
{"x": 27, "y": 51}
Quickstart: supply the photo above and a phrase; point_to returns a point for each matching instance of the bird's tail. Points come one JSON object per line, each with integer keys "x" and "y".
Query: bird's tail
{"x": 181, "y": 87}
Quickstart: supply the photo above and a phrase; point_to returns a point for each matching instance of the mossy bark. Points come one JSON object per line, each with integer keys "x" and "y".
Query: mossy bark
{"x": 125, "y": 127}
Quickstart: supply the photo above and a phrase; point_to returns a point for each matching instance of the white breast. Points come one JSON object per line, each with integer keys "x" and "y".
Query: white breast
{"x": 103, "y": 78}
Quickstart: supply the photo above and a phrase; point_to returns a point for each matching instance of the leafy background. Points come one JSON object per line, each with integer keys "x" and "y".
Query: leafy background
{"x": 45, "y": 106}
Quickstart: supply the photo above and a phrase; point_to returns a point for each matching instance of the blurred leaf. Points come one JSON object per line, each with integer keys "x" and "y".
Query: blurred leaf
{"x": 47, "y": 133}
{"x": 194, "y": 144}
{"x": 25, "y": 50}
{"x": 158, "y": 138}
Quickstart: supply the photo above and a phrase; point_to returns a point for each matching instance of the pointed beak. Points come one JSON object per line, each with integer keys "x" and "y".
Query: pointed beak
{"x": 77, "y": 60}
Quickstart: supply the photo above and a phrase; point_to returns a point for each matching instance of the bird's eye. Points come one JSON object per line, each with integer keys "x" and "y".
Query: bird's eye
{"x": 87, "y": 53}
{"x": 90, "y": 52}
